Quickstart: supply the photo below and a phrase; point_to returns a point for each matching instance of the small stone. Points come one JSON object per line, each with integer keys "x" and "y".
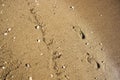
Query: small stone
{"x": 3, "y": 67}
{"x": 51, "y": 75}
{"x": 38, "y": 40}
{"x": 30, "y": 78}
{"x": 27, "y": 65}
{"x": 37, "y": 27}
{"x": 63, "y": 67}
{"x": 5, "y": 34}
{"x": 41, "y": 54}
{"x": 72, "y": 7}
{"x": 86, "y": 43}
{"x": 100, "y": 44}
{"x": 67, "y": 77}
{"x": 5, "y": 62}
{"x": 14, "y": 38}
{"x": 9, "y": 29}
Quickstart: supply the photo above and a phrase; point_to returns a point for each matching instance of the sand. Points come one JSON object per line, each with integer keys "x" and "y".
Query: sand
{"x": 59, "y": 40}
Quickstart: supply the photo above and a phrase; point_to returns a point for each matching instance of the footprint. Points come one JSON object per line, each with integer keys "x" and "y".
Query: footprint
{"x": 93, "y": 62}
{"x": 80, "y": 33}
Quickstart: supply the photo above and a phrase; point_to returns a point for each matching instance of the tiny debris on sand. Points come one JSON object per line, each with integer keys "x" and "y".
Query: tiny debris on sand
{"x": 72, "y": 7}
{"x": 5, "y": 34}
{"x": 38, "y": 40}
{"x": 29, "y": 78}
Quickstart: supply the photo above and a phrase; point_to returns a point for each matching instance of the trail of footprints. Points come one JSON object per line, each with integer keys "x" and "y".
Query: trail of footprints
{"x": 60, "y": 72}
{"x": 92, "y": 61}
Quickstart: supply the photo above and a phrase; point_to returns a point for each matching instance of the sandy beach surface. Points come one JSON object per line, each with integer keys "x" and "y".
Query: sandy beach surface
{"x": 59, "y": 40}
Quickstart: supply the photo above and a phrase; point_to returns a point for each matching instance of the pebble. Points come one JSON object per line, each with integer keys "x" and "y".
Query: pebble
{"x": 30, "y": 78}
{"x": 3, "y": 67}
{"x": 63, "y": 67}
{"x": 37, "y": 27}
{"x": 5, "y": 62}
{"x": 38, "y": 40}
{"x": 27, "y": 65}
{"x": 41, "y": 54}
{"x": 5, "y": 34}
{"x": 14, "y": 38}
{"x": 9, "y": 29}
{"x": 72, "y": 7}
{"x": 100, "y": 44}
{"x": 86, "y": 43}
{"x": 51, "y": 75}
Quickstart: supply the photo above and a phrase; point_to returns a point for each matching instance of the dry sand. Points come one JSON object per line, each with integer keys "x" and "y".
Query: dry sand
{"x": 59, "y": 39}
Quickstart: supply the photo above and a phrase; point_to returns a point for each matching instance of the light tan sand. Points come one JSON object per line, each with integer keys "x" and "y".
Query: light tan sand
{"x": 59, "y": 39}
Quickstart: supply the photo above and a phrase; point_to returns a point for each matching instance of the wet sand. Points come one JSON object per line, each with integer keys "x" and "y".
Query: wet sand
{"x": 59, "y": 40}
